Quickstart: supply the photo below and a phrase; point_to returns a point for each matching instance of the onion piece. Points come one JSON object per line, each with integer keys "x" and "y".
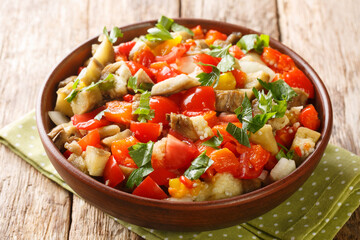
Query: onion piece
{"x": 263, "y": 175}
{"x": 58, "y": 117}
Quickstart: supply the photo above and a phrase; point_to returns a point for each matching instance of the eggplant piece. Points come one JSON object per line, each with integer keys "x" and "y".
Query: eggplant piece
{"x": 86, "y": 100}
{"x": 299, "y": 100}
{"x": 252, "y": 67}
{"x": 92, "y": 72}
{"x": 305, "y": 139}
{"x": 229, "y": 100}
{"x": 174, "y": 85}
{"x": 121, "y": 76}
{"x": 233, "y": 38}
{"x": 142, "y": 77}
{"x": 252, "y": 79}
{"x": 62, "y": 105}
{"x": 183, "y": 125}
{"x": 79, "y": 162}
{"x": 118, "y": 136}
{"x": 184, "y": 35}
{"x": 266, "y": 139}
{"x": 64, "y": 133}
{"x": 105, "y": 52}
{"x": 95, "y": 160}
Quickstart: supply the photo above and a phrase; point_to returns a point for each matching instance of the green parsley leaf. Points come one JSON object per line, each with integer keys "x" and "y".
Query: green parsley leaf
{"x": 166, "y": 22}
{"x": 144, "y": 112}
{"x": 280, "y": 108}
{"x": 180, "y": 28}
{"x": 158, "y": 33}
{"x": 209, "y": 79}
{"x": 219, "y": 52}
{"x": 258, "y": 121}
{"x": 74, "y": 91}
{"x": 198, "y": 166}
{"x": 141, "y": 154}
{"x": 240, "y": 134}
{"x": 215, "y": 141}
{"x": 253, "y": 41}
{"x": 226, "y": 64}
{"x": 101, "y": 114}
{"x": 104, "y": 84}
{"x": 114, "y": 34}
{"x": 244, "y": 113}
{"x": 288, "y": 155}
{"x": 132, "y": 83}
{"x": 280, "y": 89}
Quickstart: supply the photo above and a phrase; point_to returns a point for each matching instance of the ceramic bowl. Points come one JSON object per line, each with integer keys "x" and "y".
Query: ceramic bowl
{"x": 178, "y": 216}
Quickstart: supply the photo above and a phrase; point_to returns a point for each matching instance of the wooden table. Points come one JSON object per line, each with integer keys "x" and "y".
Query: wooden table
{"x": 35, "y": 35}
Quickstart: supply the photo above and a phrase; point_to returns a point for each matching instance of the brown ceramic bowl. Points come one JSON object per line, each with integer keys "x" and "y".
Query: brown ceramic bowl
{"x": 178, "y": 216}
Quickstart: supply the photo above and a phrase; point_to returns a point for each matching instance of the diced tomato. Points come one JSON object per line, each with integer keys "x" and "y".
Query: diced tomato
{"x": 253, "y": 161}
{"x": 297, "y": 79}
{"x": 285, "y": 136}
{"x": 124, "y": 48}
{"x": 165, "y": 73}
{"x": 277, "y": 61}
{"x": 161, "y": 176}
{"x": 112, "y": 173}
{"x": 90, "y": 139}
{"x": 144, "y": 57}
{"x": 187, "y": 182}
{"x": 240, "y": 78}
{"x": 146, "y": 132}
{"x": 180, "y": 136}
{"x": 213, "y": 35}
{"x": 86, "y": 121}
{"x": 134, "y": 67}
{"x": 225, "y": 161}
{"x": 236, "y": 52}
{"x": 148, "y": 188}
{"x": 271, "y": 163}
{"x": 232, "y": 147}
{"x": 128, "y": 98}
{"x": 207, "y": 59}
{"x": 119, "y": 150}
{"x": 67, "y": 154}
{"x": 309, "y": 118}
{"x": 198, "y": 99}
{"x": 178, "y": 154}
{"x": 161, "y": 107}
{"x": 176, "y": 52}
{"x": 298, "y": 151}
{"x": 119, "y": 112}
{"x": 198, "y": 32}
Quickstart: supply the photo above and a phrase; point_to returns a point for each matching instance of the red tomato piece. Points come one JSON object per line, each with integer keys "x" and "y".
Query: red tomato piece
{"x": 90, "y": 139}
{"x": 161, "y": 176}
{"x": 176, "y": 52}
{"x": 236, "y": 52}
{"x": 309, "y": 118}
{"x": 228, "y": 117}
{"x": 296, "y": 78}
{"x": 119, "y": 112}
{"x": 198, "y": 99}
{"x": 146, "y": 132}
{"x": 86, "y": 121}
{"x": 112, "y": 173}
{"x": 225, "y": 161}
{"x": 207, "y": 59}
{"x": 213, "y": 35}
{"x": 120, "y": 151}
{"x": 253, "y": 161}
{"x": 285, "y": 136}
{"x": 124, "y": 48}
{"x": 187, "y": 182}
{"x": 165, "y": 73}
{"x": 240, "y": 78}
{"x": 148, "y": 188}
{"x": 134, "y": 67}
{"x": 277, "y": 61}
{"x": 67, "y": 154}
{"x": 144, "y": 57}
{"x": 128, "y": 98}
{"x": 271, "y": 163}
{"x": 178, "y": 154}
{"x": 198, "y": 32}
{"x": 161, "y": 107}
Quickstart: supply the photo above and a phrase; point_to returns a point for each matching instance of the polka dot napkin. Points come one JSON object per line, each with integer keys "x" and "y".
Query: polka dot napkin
{"x": 316, "y": 211}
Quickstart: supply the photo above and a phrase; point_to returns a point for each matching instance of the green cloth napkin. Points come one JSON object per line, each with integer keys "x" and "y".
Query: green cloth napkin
{"x": 316, "y": 211}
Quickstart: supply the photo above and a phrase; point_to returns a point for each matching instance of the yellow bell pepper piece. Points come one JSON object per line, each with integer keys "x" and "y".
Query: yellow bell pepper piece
{"x": 177, "y": 189}
{"x": 227, "y": 81}
{"x": 165, "y": 47}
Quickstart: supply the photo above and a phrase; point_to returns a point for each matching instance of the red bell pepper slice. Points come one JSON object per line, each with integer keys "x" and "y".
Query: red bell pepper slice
{"x": 86, "y": 121}
{"x": 148, "y": 188}
{"x": 112, "y": 173}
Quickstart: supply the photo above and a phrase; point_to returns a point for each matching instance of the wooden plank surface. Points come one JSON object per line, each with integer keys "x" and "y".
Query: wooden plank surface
{"x": 35, "y": 35}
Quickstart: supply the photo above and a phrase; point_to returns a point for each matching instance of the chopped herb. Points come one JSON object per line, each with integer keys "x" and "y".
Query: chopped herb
{"x": 281, "y": 154}
{"x": 240, "y": 134}
{"x": 141, "y": 154}
{"x": 215, "y": 141}
{"x": 220, "y": 52}
{"x": 258, "y": 121}
{"x": 280, "y": 89}
{"x": 244, "y": 112}
{"x": 104, "y": 84}
{"x": 101, "y": 114}
{"x": 198, "y": 166}
{"x": 253, "y": 41}
{"x": 226, "y": 64}
{"x": 132, "y": 83}
{"x": 166, "y": 22}
{"x": 209, "y": 79}
{"x": 144, "y": 111}
{"x": 114, "y": 34}
{"x": 74, "y": 91}
{"x": 158, "y": 33}
{"x": 180, "y": 28}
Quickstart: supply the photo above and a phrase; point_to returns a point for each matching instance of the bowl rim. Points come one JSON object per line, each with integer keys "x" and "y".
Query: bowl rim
{"x": 227, "y": 202}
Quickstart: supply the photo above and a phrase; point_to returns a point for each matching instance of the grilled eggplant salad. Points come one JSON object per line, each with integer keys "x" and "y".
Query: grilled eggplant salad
{"x": 186, "y": 114}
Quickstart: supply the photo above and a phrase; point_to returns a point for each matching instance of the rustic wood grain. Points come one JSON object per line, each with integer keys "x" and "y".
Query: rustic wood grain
{"x": 326, "y": 34}
{"x": 35, "y": 35}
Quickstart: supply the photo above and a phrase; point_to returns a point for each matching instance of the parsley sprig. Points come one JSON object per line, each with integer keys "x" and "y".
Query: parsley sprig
{"x": 144, "y": 111}
{"x": 281, "y": 154}
{"x": 142, "y": 87}
{"x": 209, "y": 79}
{"x": 161, "y": 30}
{"x": 215, "y": 141}
{"x": 141, "y": 154}
{"x": 253, "y": 41}
{"x": 114, "y": 34}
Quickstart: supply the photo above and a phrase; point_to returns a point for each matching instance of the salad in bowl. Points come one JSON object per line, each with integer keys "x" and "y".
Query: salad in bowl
{"x": 186, "y": 114}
